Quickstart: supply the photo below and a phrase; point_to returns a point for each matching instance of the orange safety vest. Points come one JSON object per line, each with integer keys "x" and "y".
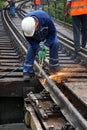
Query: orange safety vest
{"x": 78, "y": 7}
{"x": 37, "y": 2}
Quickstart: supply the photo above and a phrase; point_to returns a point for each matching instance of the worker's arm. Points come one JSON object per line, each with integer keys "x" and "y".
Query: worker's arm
{"x": 68, "y": 6}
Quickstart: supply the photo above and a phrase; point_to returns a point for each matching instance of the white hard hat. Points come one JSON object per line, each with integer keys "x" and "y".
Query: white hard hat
{"x": 28, "y": 26}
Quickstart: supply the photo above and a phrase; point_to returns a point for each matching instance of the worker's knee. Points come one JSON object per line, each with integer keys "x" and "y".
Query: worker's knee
{"x": 55, "y": 45}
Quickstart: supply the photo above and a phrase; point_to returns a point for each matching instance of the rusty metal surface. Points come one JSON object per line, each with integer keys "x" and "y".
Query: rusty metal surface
{"x": 49, "y": 113}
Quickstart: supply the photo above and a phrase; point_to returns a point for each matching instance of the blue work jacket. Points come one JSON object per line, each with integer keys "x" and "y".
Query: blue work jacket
{"x": 46, "y": 29}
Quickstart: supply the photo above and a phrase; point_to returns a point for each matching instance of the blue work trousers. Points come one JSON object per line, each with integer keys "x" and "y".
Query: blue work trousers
{"x": 29, "y": 60}
{"x": 79, "y": 27}
{"x": 53, "y": 54}
{"x": 12, "y": 8}
{"x": 36, "y": 7}
{"x": 33, "y": 50}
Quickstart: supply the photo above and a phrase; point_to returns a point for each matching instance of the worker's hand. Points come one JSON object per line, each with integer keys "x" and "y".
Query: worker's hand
{"x": 66, "y": 14}
{"x": 42, "y": 54}
{"x": 67, "y": 9}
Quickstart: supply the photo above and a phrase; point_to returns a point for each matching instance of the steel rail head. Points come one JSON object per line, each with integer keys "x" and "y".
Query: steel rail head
{"x": 74, "y": 117}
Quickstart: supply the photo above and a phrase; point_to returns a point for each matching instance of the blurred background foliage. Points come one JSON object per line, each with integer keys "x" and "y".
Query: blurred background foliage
{"x": 2, "y": 3}
{"x": 55, "y": 8}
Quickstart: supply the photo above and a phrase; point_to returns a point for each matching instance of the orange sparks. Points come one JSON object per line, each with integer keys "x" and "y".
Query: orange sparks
{"x": 43, "y": 81}
{"x": 57, "y": 77}
{"x": 60, "y": 76}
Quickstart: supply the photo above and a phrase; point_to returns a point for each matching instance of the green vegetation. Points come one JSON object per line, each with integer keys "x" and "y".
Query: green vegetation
{"x": 56, "y": 10}
{"x": 2, "y": 3}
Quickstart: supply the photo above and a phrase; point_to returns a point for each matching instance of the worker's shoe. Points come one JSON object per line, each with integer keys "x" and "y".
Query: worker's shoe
{"x": 28, "y": 76}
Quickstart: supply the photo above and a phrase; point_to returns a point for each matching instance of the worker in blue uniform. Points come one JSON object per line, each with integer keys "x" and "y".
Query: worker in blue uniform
{"x": 38, "y": 26}
{"x": 12, "y": 7}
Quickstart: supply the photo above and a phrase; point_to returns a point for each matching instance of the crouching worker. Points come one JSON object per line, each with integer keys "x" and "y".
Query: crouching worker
{"x": 38, "y": 26}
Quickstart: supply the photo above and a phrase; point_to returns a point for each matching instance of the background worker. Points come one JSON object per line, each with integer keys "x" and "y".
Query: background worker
{"x": 35, "y": 4}
{"x": 38, "y": 26}
{"x": 12, "y": 7}
{"x": 78, "y": 10}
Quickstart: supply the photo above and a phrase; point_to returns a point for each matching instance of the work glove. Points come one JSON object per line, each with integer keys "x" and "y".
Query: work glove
{"x": 42, "y": 54}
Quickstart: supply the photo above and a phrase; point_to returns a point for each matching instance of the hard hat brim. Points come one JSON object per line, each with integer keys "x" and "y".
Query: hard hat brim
{"x": 30, "y": 34}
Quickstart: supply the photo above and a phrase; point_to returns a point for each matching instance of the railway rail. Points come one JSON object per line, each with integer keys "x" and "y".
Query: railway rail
{"x": 57, "y": 105}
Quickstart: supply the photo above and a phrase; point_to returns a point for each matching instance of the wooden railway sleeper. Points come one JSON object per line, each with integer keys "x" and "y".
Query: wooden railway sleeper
{"x": 68, "y": 53}
{"x": 12, "y": 71}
